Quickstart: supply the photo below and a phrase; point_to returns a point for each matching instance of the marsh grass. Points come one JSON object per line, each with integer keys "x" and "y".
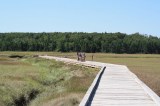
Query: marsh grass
{"x": 145, "y": 66}
{"x": 35, "y": 81}
{"x": 61, "y": 84}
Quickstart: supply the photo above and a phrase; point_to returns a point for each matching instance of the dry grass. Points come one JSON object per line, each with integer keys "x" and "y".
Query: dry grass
{"x": 51, "y": 82}
{"x": 145, "y": 66}
{"x": 71, "y": 99}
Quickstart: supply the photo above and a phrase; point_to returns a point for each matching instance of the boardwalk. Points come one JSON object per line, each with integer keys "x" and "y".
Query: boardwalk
{"x": 115, "y": 85}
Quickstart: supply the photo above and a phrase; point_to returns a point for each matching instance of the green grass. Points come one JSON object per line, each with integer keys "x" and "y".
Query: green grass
{"x": 36, "y": 81}
{"x": 69, "y": 89}
{"x": 145, "y": 66}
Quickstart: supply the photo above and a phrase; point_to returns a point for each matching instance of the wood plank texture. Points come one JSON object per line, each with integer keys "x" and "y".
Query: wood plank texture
{"x": 118, "y": 86}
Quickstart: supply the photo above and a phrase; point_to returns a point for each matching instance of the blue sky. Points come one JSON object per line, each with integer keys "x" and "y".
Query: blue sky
{"x": 127, "y": 16}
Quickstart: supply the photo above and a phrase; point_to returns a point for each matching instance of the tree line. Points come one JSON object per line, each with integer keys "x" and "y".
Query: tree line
{"x": 80, "y": 41}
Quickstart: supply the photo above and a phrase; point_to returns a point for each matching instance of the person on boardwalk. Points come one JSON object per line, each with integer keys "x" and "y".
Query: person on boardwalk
{"x": 80, "y": 56}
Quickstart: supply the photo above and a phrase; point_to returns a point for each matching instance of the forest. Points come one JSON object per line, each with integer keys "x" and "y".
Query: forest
{"x": 81, "y": 41}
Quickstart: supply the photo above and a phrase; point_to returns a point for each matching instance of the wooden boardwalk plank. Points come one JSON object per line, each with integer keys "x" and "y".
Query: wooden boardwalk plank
{"x": 118, "y": 86}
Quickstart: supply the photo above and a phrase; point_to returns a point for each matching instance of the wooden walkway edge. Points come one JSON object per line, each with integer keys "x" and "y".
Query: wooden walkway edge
{"x": 95, "y": 87}
{"x": 114, "y": 85}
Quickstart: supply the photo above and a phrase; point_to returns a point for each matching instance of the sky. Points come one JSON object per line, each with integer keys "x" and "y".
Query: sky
{"x": 126, "y": 16}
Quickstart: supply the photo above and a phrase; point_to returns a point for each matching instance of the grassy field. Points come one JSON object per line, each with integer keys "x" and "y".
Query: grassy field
{"x": 34, "y": 81}
{"x": 145, "y": 66}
